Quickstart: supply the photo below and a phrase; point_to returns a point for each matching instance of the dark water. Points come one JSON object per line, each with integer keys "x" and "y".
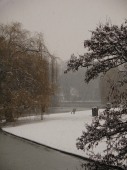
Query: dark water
{"x": 65, "y": 109}
{"x": 19, "y": 154}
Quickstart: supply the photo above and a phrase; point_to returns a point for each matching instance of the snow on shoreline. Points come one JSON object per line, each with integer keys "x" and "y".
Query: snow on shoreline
{"x": 59, "y": 131}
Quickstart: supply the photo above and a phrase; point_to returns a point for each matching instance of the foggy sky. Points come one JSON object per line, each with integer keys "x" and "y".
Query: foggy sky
{"x": 65, "y": 24}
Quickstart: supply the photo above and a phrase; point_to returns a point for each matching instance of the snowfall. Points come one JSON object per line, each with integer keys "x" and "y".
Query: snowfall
{"x": 59, "y": 131}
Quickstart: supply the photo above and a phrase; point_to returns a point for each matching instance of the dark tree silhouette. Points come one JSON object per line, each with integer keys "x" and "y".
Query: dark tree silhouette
{"x": 107, "y": 49}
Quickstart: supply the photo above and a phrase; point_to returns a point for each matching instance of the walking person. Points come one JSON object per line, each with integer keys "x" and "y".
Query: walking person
{"x": 73, "y": 111}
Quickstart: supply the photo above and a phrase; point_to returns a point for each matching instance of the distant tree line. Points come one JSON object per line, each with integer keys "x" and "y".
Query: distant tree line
{"x": 82, "y": 91}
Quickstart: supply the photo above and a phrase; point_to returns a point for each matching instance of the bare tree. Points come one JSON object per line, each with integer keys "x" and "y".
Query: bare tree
{"x": 24, "y": 73}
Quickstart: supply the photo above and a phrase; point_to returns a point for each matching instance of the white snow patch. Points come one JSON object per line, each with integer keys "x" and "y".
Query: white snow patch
{"x": 59, "y": 131}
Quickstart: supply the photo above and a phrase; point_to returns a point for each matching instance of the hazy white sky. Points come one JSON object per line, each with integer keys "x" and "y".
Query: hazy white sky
{"x": 65, "y": 24}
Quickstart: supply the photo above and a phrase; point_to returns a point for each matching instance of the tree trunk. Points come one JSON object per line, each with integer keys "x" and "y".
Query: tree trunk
{"x": 42, "y": 112}
{"x": 9, "y": 116}
{"x": 41, "y": 115}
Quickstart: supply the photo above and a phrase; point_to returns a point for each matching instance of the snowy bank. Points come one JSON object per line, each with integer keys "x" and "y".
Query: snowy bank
{"x": 59, "y": 131}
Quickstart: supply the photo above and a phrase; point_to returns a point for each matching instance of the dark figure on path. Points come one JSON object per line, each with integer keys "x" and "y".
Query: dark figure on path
{"x": 73, "y": 111}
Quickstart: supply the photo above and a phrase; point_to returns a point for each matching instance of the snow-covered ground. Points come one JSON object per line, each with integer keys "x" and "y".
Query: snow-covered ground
{"x": 59, "y": 131}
